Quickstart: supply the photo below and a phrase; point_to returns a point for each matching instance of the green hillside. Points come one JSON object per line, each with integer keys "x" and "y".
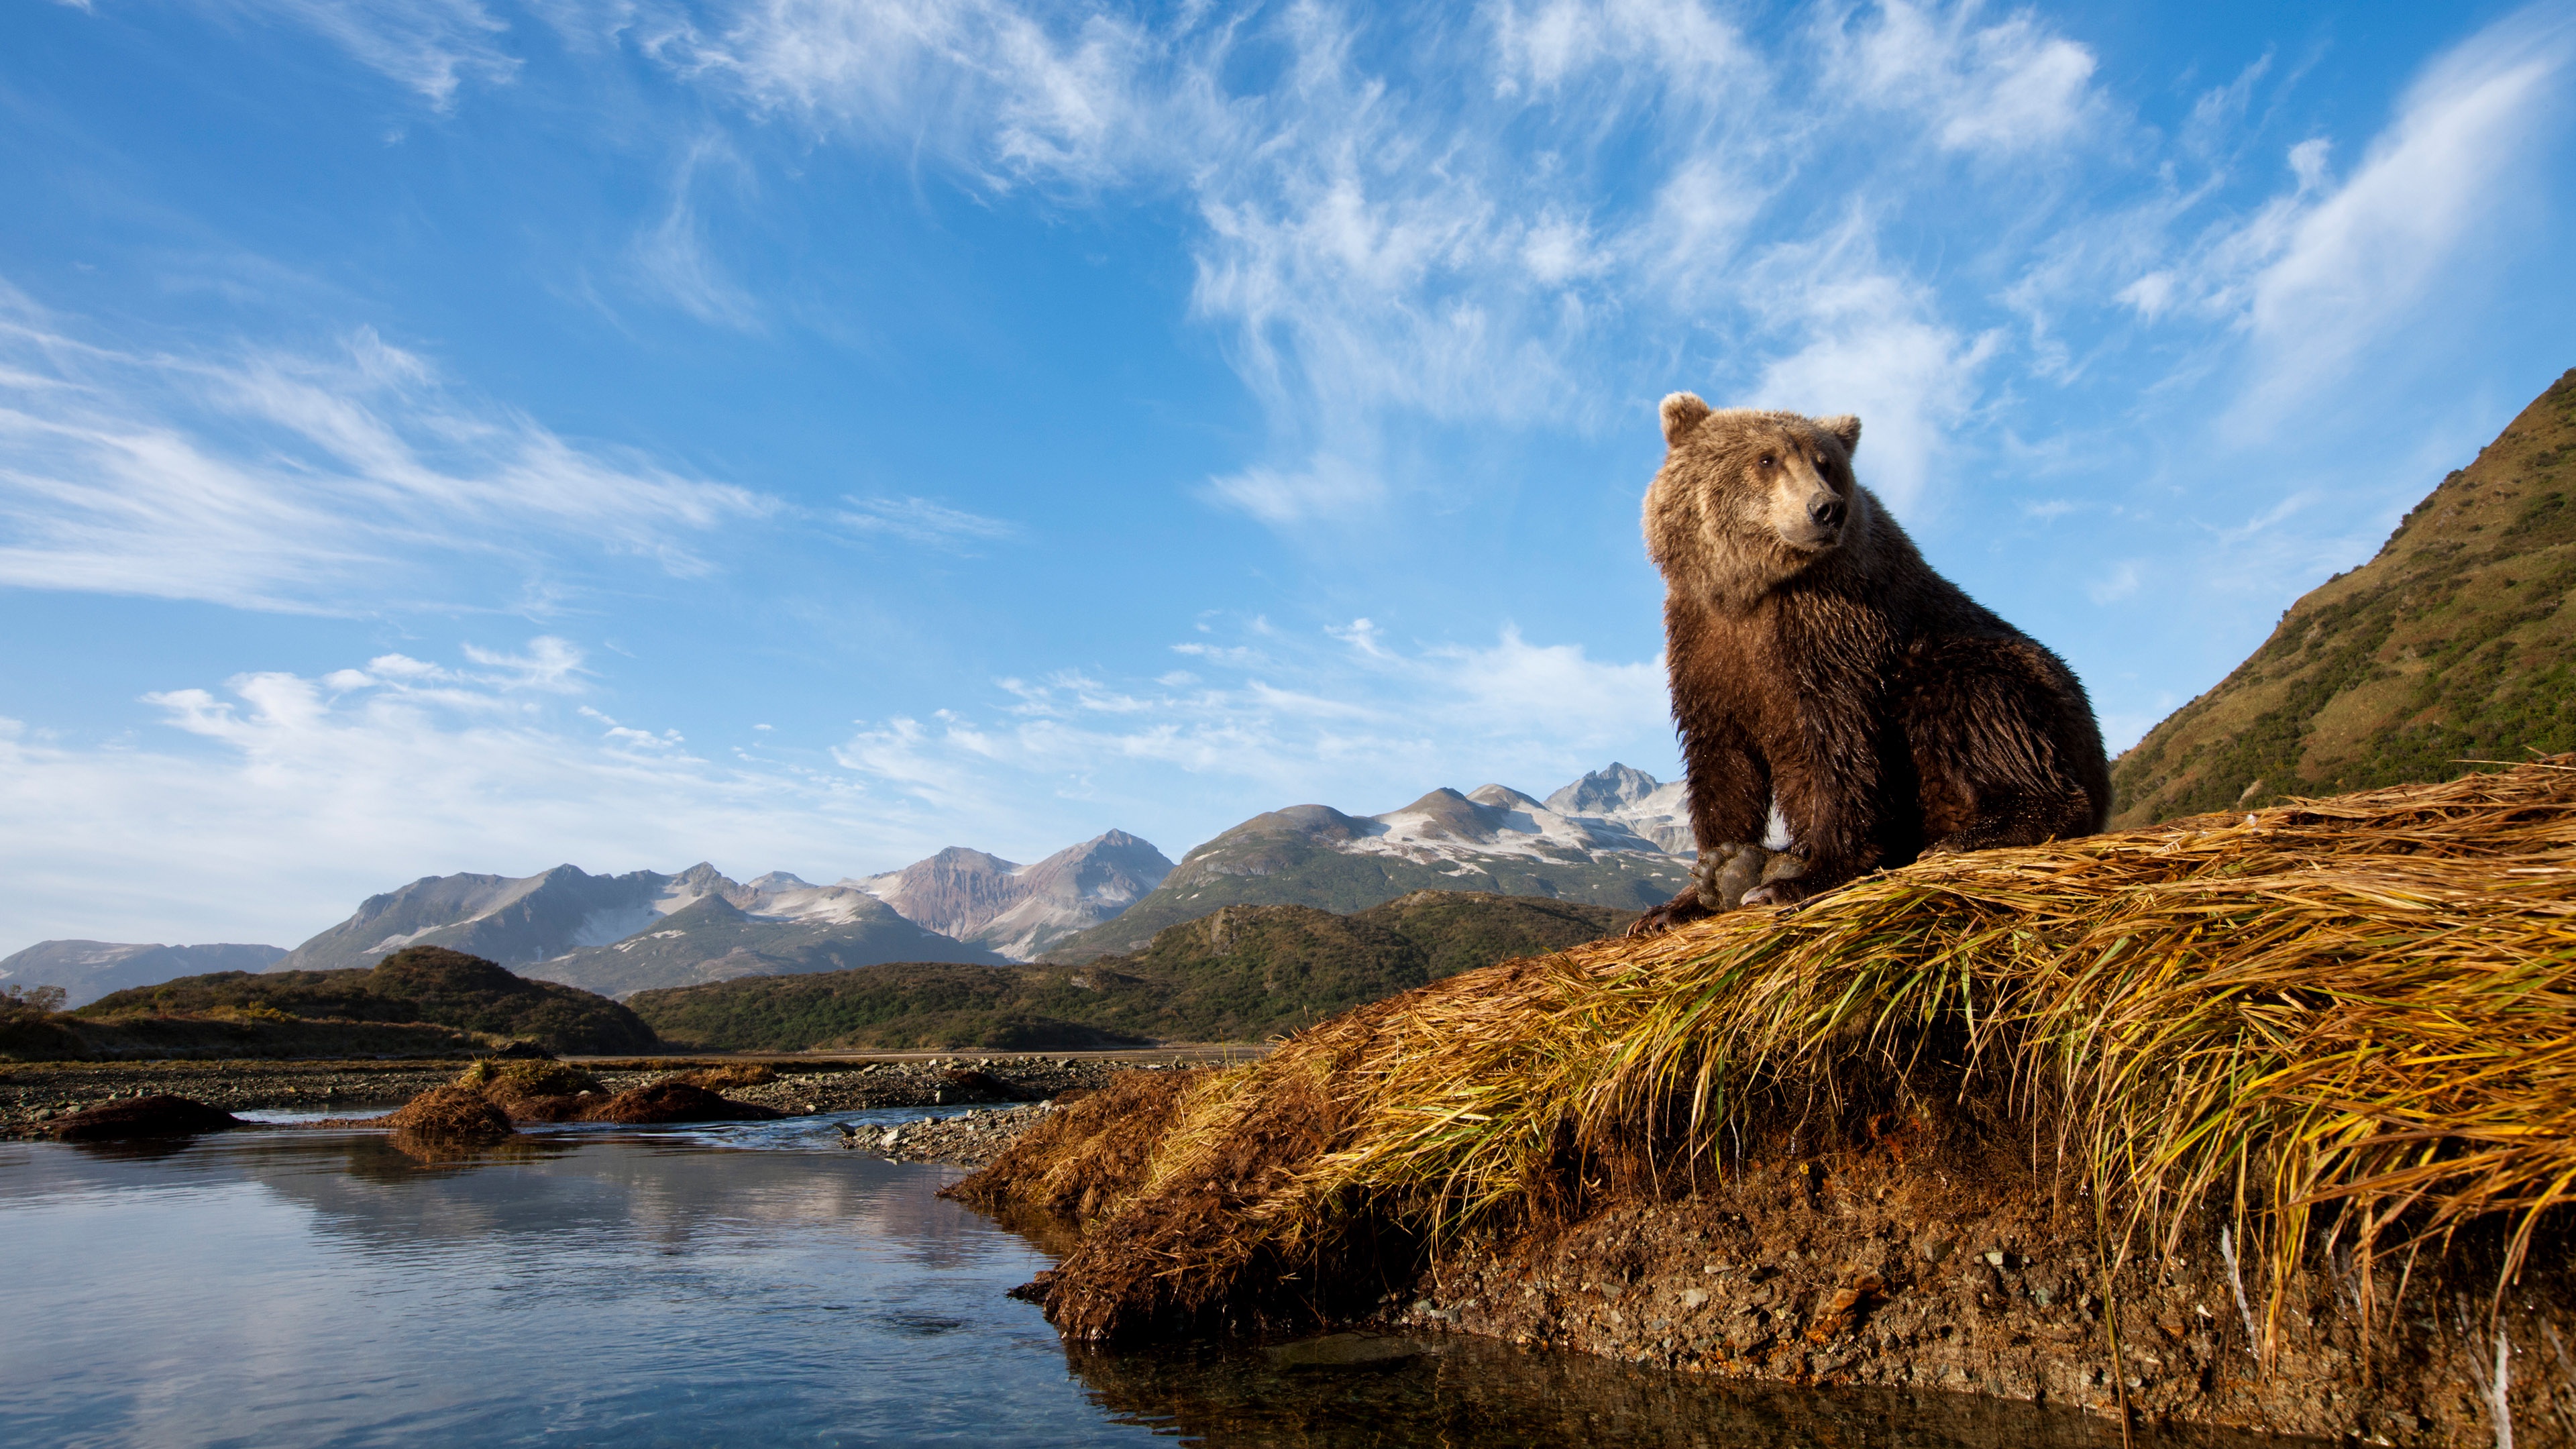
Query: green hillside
{"x": 1242, "y": 973}
{"x": 1287, "y": 858}
{"x": 420, "y": 984}
{"x": 2453, "y": 644}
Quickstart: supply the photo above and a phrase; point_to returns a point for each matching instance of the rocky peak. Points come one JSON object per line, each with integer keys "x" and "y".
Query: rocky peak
{"x": 1604, "y": 792}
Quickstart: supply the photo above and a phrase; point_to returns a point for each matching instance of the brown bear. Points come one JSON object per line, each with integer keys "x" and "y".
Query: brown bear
{"x": 1830, "y": 688}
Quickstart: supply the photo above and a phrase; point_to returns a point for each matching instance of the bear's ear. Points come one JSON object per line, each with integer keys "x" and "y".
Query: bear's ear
{"x": 1845, "y": 429}
{"x": 1682, "y": 412}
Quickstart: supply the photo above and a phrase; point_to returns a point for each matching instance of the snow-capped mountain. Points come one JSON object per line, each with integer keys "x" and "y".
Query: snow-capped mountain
{"x": 1018, "y": 910}
{"x": 88, "y": 970}
{"x": 623, "y": 933}
{"x": 1616, "y": 837}
{"x": 1656, "y": 811}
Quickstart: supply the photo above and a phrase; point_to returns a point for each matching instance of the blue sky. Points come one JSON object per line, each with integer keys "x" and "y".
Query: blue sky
{"x": 802, "y": 434}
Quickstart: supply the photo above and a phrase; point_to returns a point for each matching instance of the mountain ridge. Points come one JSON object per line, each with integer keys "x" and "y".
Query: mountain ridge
{"x": 1019, "y": 910}
{"x": 88, "y": 970}
{"x": 1492, "y": 839}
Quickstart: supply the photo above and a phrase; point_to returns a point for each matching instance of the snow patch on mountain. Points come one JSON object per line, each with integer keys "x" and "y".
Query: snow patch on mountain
{"x": 1613, "y": 811}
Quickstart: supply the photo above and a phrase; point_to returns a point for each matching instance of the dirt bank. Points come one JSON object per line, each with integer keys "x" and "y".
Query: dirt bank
{"x": 1859, "y": 1273}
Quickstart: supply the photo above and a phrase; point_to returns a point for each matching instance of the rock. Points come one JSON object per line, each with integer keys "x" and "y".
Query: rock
{"x": 676, "y": 1101}
{"x": 160, "y": 1115}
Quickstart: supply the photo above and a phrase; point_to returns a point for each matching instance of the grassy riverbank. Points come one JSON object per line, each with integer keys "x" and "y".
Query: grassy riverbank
{"x": 2340, "y": 1031}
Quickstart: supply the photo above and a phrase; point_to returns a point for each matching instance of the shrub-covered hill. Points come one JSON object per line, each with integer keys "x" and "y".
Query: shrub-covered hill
{"x": 1243, "y": 973}
{"x": 2454, "y": 643}
{"x": 428, "y": 984}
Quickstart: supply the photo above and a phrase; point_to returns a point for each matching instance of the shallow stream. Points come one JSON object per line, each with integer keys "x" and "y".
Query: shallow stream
{"x": 751, "y": 1285}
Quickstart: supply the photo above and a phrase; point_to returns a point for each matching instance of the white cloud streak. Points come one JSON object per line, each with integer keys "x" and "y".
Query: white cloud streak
{"x": 2003, "y": 89}
{"x": 432, "y": 47}
{"x": 270, "y": 479}
{"x": 2323, "y": 270}
{"x": 918, "y": 520}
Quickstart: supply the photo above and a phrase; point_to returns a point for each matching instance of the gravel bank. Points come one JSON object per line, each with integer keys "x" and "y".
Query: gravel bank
{"x": 34, "y": 1094}
{"x": 969, "y": 1139}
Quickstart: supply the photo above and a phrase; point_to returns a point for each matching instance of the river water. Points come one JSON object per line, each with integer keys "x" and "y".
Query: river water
{"x": 737, "y": 1285}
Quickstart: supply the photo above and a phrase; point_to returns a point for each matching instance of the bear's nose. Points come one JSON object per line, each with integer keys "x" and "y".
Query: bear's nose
{"x": 1826, "y": 510}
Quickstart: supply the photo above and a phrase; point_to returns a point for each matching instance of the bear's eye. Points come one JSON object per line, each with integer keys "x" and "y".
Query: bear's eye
{"x": 1770, "y": 462}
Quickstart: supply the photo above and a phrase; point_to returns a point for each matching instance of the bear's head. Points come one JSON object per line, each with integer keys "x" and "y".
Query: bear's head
{"x": 1747, "y": 499}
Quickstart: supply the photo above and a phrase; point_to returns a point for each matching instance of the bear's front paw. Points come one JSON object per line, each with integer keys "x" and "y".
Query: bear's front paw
{"x": 1725, "y": 872}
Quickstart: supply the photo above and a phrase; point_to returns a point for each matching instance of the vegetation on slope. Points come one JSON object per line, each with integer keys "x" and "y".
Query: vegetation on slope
{"x": 419, "y": 984}
{"x": 2355, "y": 1015}
{"x": 1242, "y": 973}
{"x": 224, "y": 1033}
{"x": 2453, "y": 644}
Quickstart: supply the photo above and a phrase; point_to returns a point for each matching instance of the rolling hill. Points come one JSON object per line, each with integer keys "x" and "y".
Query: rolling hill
{"x": 417, "y": 985}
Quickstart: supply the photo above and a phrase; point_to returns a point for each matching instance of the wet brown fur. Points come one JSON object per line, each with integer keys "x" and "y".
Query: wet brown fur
{"x": 1818, "y": 661}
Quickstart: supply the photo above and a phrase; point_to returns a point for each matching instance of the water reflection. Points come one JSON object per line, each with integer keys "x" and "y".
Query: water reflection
{"x": 626, "y": 1288}
{"x": 1469, "y": 1391}
{"x": 748, "y": 1284}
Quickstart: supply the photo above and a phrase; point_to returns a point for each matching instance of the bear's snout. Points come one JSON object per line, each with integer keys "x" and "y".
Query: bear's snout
{"x": 1809, "y": 519}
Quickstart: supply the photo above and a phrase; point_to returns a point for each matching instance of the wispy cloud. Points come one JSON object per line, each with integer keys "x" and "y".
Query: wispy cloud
{"x": 918, "y": 520}
{"x": 1378, "y": 246}
{"x": 2003, "y": 88}
{"x": 673, "y": 254}
{"x": 270, "y": 479}
{"x": 430, "y": 46}
{"x": 2325, "y": 269}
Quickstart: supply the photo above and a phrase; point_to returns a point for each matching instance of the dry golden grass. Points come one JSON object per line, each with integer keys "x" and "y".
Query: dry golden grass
{"x": 2364, "y": 1006}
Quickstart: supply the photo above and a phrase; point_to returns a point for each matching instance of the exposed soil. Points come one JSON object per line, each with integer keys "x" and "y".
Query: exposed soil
{"x": 1860, "y": 1273}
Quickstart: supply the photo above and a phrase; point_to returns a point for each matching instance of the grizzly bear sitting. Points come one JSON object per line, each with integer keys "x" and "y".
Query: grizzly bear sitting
{"x": 1830, "y": 687}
